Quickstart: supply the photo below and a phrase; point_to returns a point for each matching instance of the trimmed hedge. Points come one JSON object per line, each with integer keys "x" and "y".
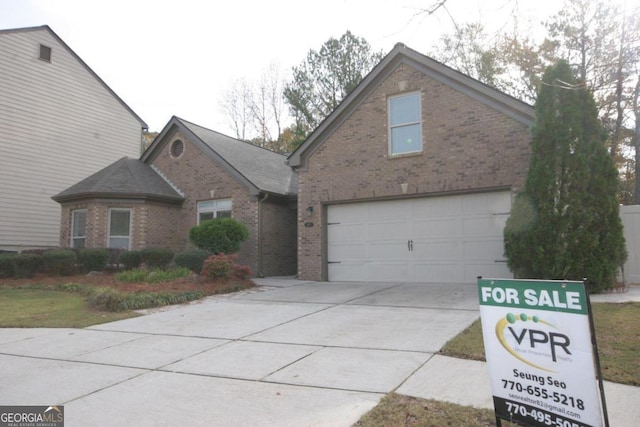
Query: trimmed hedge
{"x": 130, "y": 259}
{"x": 26, "y": 265}
{"x": 156, "y": 257}
{"x": 59, "y": 262}
{"x": 219, "y": 235}
{"x": 6, "y": 266}
{"x": 94, "y": 259}
{"x": 193, "y": 259}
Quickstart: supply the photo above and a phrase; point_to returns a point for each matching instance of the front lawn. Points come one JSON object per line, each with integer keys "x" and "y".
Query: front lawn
{"x": 32, "y": 308}
{"x": 80, "y": 301}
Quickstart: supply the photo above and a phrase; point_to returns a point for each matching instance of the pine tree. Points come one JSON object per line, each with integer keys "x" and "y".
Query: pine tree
{"x": 565, "y": 224}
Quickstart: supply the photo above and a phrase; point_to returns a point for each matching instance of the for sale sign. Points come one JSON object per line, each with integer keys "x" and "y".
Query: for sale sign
{"x": 539, "y": 351}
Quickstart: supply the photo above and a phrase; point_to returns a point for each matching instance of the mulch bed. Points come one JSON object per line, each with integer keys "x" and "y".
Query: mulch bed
{"x": 192, "y": 282}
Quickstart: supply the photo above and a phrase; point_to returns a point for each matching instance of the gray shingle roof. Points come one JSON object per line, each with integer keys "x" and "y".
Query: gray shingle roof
{"x": 265, "y": 169}
{"x": 126, "y": 178}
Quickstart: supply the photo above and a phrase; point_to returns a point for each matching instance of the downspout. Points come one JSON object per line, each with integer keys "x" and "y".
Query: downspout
{"x": 264, "y": 197}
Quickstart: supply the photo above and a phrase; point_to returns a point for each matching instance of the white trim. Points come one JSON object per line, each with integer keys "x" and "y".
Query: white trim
{"x": 390, "y": 127}
{"x": 109, "y": 236}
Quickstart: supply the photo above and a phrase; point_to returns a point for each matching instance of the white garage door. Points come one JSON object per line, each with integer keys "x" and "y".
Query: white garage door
{"x": 451, "y": 239}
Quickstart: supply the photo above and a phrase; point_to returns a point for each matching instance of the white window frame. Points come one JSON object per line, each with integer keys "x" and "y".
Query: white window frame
{"x": 110, "y": 236}
{"x": 218, "y": 205}
{"x": 73, "y": 237}
{"x": 392, "y": 126}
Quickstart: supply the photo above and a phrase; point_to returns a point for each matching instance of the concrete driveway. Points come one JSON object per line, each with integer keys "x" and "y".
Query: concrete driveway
{"x": 291, "y": 353}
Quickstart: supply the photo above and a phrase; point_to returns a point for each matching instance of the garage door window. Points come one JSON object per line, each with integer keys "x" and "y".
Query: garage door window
{"x": 405, "y": 127}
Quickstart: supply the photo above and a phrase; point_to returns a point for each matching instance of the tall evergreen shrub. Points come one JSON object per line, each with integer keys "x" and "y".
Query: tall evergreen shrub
{"x": 565, "y": 224}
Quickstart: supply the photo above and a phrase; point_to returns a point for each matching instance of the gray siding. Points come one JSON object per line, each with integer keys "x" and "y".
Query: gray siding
{"x": 58, "y": 125}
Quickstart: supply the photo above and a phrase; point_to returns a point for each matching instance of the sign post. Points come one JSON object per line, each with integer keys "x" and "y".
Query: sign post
{"x": 541, "y": 352}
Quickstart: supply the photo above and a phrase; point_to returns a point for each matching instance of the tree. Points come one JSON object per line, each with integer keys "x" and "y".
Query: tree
{"x": 236, "y": 105}
{"x": 256, "y": 111}
{"x": 325, "y": 78}
{"x": 565, "y": 224}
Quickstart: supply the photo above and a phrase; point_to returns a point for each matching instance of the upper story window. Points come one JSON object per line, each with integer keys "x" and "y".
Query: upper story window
{"x": 210, "y": 209}
{"x": 120, "y": 228}
{"x": 45, "y": 53}
{"x": 177, "y": 148}
{"x": 405, "y": 124}
{"x": 78, "y": 228}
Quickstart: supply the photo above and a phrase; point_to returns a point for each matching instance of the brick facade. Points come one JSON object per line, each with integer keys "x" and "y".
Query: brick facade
{"x": 467, "y": 146}
{"x": 270, "y": 220}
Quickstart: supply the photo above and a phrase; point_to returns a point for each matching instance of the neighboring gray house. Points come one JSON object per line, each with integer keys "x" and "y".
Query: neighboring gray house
{"x": 189, "y": 174}
{"x": 59, "y": 122}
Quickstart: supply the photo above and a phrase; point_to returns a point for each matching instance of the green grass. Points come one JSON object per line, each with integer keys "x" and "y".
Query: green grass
{"x": 30, "y": 308}
{"x": 617, "y": 335}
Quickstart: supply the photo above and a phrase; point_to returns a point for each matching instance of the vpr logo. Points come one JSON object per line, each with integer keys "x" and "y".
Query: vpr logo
{"x": 540, "y": 342}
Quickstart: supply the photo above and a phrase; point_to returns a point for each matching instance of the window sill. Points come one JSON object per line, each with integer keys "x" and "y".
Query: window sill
{"x": 403, "y": 155}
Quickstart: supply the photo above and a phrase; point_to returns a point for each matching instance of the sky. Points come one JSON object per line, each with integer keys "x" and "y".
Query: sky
{"x": 167, "y": 57}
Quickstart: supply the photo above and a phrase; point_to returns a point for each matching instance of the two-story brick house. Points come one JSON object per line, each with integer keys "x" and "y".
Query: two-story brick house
{"x": 411, "y": 178}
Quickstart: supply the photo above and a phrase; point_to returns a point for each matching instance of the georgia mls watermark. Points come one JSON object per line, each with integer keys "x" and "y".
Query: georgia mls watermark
{"x": 31, "y": 416}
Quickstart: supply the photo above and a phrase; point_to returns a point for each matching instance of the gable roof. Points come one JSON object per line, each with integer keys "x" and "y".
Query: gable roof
{"x": 89, "y": 70}
{"x": 259, "y": 169}
{"x": 401, "y": 54}
{"x": 126, "y": 178}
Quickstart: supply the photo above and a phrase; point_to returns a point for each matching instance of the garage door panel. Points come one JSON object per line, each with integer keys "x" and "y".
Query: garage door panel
{"x": 487, "y": 225}
{"x": 486, "y": 250}
{"x": 437, "y": 250}
{"x": 383, "y": 230}
{"x": 436, "y": 228}
{"x": 499, "y": 202}
{"x": 349, "y": 251}
{"x": 382, "y": 251}
{"x": 347, "y": 272}
{"x": 437, "y": 207}
{"x": 346, "y": 232}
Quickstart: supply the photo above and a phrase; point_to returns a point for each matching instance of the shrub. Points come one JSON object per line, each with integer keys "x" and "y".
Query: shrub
{"x": 223, "y": 266}
{"x": 218, "y": 266}
{"x": 219, "y": 235}
{"x": 193, "y": 259}
{"x": 242, "y": 272}
{"x": 156, "y": 257}
{"x": 94, "y": 259}
{"x": 6, "y": 266}
{"x": 130, "y": 259}
{"x": 59, "y": 262}
{"x": 25, "y": 265}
